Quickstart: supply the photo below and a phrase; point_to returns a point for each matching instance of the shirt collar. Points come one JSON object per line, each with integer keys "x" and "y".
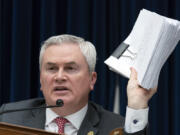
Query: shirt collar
{"x": 75, "y": 118}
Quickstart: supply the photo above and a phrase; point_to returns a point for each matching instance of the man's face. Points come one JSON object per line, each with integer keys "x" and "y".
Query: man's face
{"x": 65, "y": 75}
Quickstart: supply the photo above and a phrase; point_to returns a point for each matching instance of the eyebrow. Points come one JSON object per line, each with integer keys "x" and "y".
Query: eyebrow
{"x": 50, "y": 63}
{"x": 71, "y": 63}
{"x": 68, "y": 63}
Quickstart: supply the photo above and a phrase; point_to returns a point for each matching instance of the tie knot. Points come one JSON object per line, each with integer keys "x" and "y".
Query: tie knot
{"x": 60, "y": 121}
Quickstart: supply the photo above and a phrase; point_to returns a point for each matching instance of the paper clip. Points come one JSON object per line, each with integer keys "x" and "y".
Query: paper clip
{"x": 121, "y": 49}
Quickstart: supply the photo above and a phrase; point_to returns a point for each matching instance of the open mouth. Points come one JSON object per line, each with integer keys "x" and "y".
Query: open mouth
{"x": 60, "y": 88}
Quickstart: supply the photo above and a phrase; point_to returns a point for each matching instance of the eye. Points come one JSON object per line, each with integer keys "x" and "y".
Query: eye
{"x": 52, "y": 68}
{"x": 71, "y": 69}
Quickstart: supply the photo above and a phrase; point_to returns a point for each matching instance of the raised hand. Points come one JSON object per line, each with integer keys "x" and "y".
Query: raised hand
{"x": 138, "y": 97}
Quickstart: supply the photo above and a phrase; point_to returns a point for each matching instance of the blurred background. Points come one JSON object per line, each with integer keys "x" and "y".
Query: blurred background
{"x": 25, "y": 24}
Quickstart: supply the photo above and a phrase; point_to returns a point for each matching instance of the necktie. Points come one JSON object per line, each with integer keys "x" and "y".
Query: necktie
{"x": 60, "y": 121}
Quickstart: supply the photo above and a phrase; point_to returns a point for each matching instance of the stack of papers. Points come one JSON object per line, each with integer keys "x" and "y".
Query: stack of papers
{"x": 151, "y": 41}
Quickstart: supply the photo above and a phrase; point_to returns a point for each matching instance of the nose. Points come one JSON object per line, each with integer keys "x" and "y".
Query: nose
{"x": 60, "y": 76}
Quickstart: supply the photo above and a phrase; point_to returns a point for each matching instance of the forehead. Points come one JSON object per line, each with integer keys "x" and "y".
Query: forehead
{"x": 64, "y": 53}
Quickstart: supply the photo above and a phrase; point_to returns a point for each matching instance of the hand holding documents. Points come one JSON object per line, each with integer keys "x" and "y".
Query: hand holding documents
{"x": 151, "y": 41}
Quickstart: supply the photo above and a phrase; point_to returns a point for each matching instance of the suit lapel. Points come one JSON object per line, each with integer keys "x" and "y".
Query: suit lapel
{"x": 36, "y": 119}
{"x": 90, "y": 122}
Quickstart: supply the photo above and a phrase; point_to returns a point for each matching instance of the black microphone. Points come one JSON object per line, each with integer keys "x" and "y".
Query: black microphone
{"x": 59, "y": 103}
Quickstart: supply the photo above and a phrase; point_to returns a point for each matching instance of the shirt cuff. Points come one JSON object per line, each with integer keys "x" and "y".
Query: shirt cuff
{"x": 136, "y": 120}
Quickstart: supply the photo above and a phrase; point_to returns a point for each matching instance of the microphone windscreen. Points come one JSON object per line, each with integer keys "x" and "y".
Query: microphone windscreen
{"x": 59, "y": 102}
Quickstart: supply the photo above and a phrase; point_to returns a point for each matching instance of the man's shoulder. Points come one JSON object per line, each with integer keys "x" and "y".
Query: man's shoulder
{"x": 106, "y": 114}
{"x": 103, "y": 120}
{"x": 30, "y": 118}
{"x": 35, "y": 102}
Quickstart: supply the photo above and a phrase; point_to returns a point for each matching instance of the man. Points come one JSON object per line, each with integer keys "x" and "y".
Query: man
{"x": 67, "y": 72}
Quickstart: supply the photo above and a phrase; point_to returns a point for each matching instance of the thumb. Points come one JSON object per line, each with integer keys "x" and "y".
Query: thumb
{"x": 133, "y": 75}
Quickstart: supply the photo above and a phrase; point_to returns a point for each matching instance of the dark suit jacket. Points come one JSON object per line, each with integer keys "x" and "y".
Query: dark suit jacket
{"x": 98, "y": 120}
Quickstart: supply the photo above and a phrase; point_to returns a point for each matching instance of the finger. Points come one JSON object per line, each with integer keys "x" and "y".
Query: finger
{"x": 133, "y": 83}
{"x": 133, "y": 74}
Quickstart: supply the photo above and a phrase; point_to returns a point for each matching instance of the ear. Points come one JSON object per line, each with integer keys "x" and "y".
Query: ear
{"x": 93, "y": 80}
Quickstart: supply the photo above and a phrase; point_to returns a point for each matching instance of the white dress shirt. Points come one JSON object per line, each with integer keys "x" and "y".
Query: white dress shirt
{"x": 71, "y": 128}
{"x": 136, "y": 120}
